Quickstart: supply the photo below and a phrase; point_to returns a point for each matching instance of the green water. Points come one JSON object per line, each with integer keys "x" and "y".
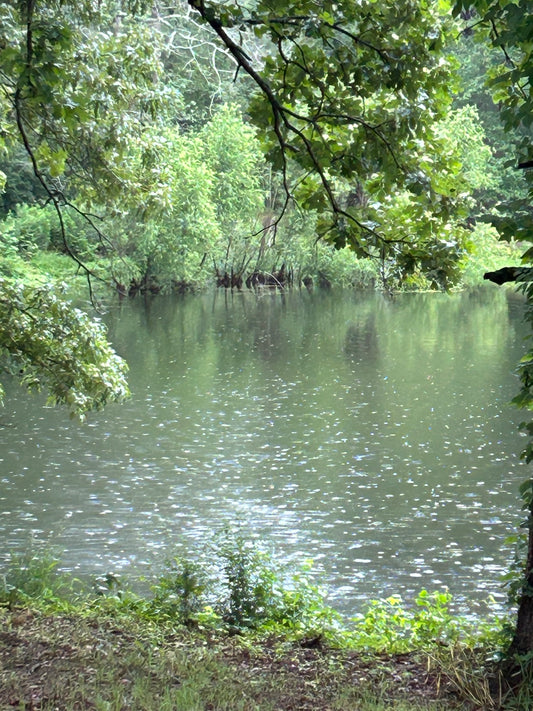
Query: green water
{"x": 372, "y": 436}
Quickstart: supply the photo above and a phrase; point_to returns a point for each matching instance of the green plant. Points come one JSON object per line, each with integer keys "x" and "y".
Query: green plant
{"x": 33, "y": 227}
{"x": 303, "y": 609}
{"x": 179, "y": 592}
{"x": 233, "y": 154}
{"x": 432, "y": 621}
{"x": 48, "y": 343}
{"x": 30, "y": 228}
{"x": 33, "y": 575}
{"x": 258, "y": 593}
{"x": 486, "y": 253}
{"x": 389, "y": 625}
{"x": 250, "y": 584}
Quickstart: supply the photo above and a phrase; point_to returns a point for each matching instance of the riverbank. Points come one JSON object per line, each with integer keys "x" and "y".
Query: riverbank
{"x": 248, "y": 638}
{"x": 71, "y": 661}
{"x": 258, "y": 646}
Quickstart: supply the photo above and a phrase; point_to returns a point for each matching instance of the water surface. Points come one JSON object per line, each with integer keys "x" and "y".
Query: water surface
{"x": 373, "y": 436}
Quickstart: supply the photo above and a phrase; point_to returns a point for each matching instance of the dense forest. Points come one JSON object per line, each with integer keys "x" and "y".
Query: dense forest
{"x": 156, "y": 147}
{"x": 173, "y": 184}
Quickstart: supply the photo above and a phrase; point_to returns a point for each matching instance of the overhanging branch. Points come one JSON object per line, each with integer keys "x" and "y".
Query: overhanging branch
{"x": 510, "y": 274}
{"x": 285, "y": 119}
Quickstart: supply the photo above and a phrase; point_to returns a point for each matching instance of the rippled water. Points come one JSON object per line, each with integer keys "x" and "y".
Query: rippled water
{"x": 372, "y": 436}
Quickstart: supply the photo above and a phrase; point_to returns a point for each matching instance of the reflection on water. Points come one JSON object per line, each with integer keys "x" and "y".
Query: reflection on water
{"x": 372, "y": 436}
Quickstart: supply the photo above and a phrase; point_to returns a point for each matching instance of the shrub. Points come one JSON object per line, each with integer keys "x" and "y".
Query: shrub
{"x": 388, "y": 625}
{"x": 179, "y": 592}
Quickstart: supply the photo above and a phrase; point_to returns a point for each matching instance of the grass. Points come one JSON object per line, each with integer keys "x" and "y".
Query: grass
{"x": 240, "y": 640}
{"x": 73, "y": 661}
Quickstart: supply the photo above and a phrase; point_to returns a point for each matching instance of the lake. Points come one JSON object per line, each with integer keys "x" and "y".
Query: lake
{"x": 372, "y": 436}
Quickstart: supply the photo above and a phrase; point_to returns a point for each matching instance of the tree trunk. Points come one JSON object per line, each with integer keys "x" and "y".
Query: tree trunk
{"x": 523, "y": 638}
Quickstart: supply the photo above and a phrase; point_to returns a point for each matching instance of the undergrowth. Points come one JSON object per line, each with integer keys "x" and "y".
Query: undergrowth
{"x": 237, "y": 590}
{"x": 235, "y": 587}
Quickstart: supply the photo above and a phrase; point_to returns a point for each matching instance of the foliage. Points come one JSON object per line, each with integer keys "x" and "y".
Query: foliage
{"x": 342, "y": 104}
{"x": 248, "y": 580}
{"x": 94, "y": 96}
{"x": 77, "y": 87}
{"x": 434, "y": 253}
{"x": 233, "y": 155}
{"x": 179, "y": 592}
{"x": 21, "y": 185}
{"x": 507, "y": 26}
{"x": 340, "y": 267}
{"x": 197, "y": 66}
{"x": 46, "y": 342}
{"x": 32, "y": 228}
{"x": 243, "y": 590}
{"x": 505, "y": 183}
{"x": 464, "y": 133}
{"x": 33, "y": 576}
{"x": 74, "y": 93}
{"x": 487, "y": 253}
{"x": 29, "y": 229}
{"x": 428, "y": 248}
{"x": 524, "y": 399}
{"x": 170, "y": 242}
{"x": 209, "y": 204}
{"x": 388, "y": 626}
{"x": 513, "y": 579}
{"x": 268, "y": 609}
{"x": 213, "y": 211}
{"x": 236, "y": 586}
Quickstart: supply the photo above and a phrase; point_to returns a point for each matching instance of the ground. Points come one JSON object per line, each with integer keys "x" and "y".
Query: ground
{"x": 71, "y": 662}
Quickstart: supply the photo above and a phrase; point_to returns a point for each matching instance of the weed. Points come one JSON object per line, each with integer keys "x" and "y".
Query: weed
{"x": 179, "y": 592}
{"x": 34, "y": 575}
{"x": 389, "y": 625}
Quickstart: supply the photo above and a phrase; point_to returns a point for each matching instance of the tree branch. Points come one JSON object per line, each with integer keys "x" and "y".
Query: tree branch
{"x": 281, "y": 118}
{"x": 510, "y": 274}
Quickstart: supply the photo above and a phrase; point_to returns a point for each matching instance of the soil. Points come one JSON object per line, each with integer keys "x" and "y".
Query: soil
{"x": 64, "y": 661}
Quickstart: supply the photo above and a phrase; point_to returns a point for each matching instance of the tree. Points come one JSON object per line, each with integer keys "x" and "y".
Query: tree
{"x": 350, "y": 93}
{"x": 48, "y": 343}
{"x": 197, "y": 64}
{"x": 77, "y": 85}
{"x": 475, "y": 59}
{"x": 508, "y": 27}
{"x": 233, "y": 154}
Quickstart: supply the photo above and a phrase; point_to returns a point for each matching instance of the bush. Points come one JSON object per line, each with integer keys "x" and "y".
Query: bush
{"x": 236, "y": 586}
{"x": 388, "y": 626}
{"x": 32, "y": 228}
{"x": 179, "y": 592}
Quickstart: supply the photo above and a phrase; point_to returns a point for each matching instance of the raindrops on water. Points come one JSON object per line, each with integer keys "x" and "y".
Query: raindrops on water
{"x": 374, "y": 437}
